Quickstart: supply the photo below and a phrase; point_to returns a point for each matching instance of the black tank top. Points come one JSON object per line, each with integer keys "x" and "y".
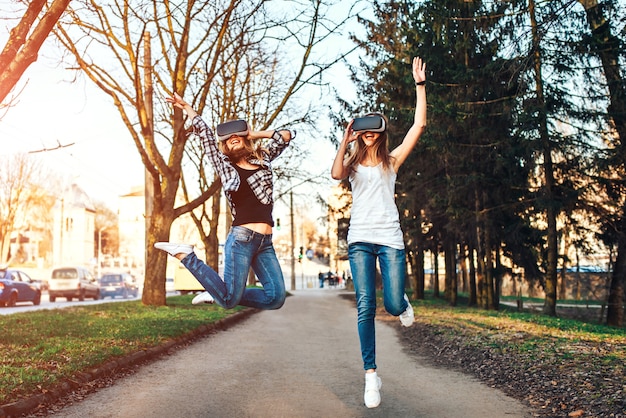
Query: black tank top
{"x": 248, "y": 208}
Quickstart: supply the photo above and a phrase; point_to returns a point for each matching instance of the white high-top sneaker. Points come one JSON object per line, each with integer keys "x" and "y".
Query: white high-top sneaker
{"x": 372, "y": 390}
{"x": 407, "y": 317}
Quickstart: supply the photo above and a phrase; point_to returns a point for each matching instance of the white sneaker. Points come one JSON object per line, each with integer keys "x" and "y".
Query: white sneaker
{"x": 204, "y": 297}
{"x": 372, "y": 390}
{"x": 173, "y": 248}
{"x": 407, "y": 317}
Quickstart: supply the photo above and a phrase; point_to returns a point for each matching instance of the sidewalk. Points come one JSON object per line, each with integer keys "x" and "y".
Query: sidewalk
{"x": 300, "y": 361}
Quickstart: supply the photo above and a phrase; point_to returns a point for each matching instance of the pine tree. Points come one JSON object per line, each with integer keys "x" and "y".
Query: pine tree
{"x": 471, "y": 94}
{"x": 609, "y": 49}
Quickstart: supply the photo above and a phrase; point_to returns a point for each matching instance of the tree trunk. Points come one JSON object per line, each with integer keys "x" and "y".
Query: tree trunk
{"x": 497, "y": 279}
{"x": 550, "y": 285}
{"x": 463, "y": 267}
{"x": 418, "y": 273}
{"x": 212, "y": 249}
{"x": 615, "y": 309}
{"x": 472, "y": 277}
{"x": 417, "y": 278}
{"x": 489, "y": 287}
{"x": 154, "y": 283}
{"x": 480, "y": 253}
{"x": 451, "y": 291}
{"x": 436, "y": 273}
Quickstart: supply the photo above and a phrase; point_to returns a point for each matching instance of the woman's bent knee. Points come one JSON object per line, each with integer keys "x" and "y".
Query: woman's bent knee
{"x": 277, "y": 302}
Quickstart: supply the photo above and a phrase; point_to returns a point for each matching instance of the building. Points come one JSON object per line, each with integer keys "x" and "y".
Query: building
{"x": 73, "y": 228}
{"x": 132, "y": 231}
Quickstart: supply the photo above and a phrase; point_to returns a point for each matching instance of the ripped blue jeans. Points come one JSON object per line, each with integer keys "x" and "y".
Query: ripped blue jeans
{"x": 392, "y": 262}
{"x": 243, "y": 249}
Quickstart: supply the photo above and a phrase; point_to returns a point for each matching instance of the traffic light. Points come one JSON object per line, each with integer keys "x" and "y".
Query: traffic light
{"x": 278, "y": 224}
{"x": 301, "y": 255}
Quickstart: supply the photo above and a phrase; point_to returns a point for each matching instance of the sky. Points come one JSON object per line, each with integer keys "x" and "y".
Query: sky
{"x": 97, "y": 152}
{"x": 75, "y": 129}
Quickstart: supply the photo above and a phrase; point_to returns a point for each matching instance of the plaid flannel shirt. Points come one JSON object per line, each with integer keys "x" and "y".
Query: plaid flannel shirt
{"x": 260, "y": 182}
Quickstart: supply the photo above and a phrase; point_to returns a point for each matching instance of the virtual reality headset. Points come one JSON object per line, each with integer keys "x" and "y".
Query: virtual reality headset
{"x": 371, "y": 123}
{"x": 234, "y": 127}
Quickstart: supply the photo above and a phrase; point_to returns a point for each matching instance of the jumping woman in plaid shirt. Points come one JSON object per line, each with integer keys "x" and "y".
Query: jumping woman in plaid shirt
{"x": 246, "y": 175}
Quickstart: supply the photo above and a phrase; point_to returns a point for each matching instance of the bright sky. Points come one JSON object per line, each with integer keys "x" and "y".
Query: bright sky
{"x": 51, "y": 111}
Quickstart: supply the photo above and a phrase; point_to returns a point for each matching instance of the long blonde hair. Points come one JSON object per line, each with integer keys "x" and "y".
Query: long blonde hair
{"x": 381, "y": 147}
{"x": 250, "y": 149}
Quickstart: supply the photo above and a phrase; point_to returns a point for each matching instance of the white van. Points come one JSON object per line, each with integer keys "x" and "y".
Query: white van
{"x": 73, "y": 282}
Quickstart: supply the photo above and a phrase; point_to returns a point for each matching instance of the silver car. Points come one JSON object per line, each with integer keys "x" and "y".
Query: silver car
{"x": 73, "y": 282}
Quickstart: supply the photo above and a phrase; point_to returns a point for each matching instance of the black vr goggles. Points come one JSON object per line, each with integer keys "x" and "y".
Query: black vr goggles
{"x": 371, "y": 123}
{"x": 234, "y": 127}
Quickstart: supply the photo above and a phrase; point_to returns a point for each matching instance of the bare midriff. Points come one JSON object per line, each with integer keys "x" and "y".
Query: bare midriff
{"x": 261, "y": 228}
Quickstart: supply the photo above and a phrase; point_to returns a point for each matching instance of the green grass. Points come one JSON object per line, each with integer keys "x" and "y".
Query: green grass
{"x": 41, "y": 348}
{"x": 534, "y": 300}
{"x": 532, "y": 336}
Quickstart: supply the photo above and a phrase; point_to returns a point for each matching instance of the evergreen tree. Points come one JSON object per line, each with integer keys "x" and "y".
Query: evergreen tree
{"x": 463, "y": 153}
{"x": 601, "y": 40}
{"x": 504, "y": 168}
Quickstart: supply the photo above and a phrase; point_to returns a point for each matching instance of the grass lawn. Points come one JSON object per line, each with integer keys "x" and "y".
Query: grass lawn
{"x": 40, "y": 348}
{"x": 559, "y": 366}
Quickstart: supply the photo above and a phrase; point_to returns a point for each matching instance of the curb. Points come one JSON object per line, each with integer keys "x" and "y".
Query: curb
{"x": 61, "y": 389}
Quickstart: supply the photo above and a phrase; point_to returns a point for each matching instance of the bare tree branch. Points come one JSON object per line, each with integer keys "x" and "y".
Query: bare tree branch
{"x": 22, "y": 48}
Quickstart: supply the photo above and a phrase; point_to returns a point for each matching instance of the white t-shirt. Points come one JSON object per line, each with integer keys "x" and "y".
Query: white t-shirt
{"x": 374, "y": 216}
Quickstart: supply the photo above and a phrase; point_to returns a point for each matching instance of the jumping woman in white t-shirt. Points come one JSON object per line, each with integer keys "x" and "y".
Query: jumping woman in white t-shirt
{"x": 374, "y": 231}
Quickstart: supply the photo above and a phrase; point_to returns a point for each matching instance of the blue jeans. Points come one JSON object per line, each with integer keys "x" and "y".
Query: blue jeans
{"x": 243, "y": 249}
{"x": 393, "y": 270}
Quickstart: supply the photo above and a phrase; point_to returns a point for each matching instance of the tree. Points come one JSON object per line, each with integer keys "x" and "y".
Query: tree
{"x": 21, "y": 194}
{"x": 563, "y": 115}
{"x": 198, "y": 57}
{"x": 551, "y": 212}
{"x": 610, "y": 49}
{"x": 24, "y": 42}
{"x": 443, "y": 184}
{"x": 106, "y": 231}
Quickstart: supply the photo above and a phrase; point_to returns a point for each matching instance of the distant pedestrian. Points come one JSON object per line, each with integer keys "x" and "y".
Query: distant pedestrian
{"x": 374, "y": 231}
{"x": 246, "y": 175}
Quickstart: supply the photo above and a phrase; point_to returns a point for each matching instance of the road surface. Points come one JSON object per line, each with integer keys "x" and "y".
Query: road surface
{"x": 59, "y": 304}
{"x": 300, "y": 361}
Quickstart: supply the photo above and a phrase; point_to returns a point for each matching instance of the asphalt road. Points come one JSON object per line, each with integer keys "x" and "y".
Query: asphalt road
{"x": 300, "y": 361}
{"x": 59, "y": 304}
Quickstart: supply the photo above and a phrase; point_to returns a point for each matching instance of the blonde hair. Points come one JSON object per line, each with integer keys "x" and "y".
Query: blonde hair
{"x": 381, "y": 148}
{"x": 250, "y": 149}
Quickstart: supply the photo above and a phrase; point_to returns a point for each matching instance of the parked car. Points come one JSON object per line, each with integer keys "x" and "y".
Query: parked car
{"x": 17, "y": 286}
{"x": 73, "y": 282}
{"x": 118, "y": 284}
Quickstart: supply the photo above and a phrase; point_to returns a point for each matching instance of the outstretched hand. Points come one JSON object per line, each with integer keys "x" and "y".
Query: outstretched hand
{"x": 176, "y": 100}
{"x": 419, "y": 70}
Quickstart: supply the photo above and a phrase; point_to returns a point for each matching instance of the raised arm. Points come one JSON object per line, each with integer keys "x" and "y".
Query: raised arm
{"x": 339, "y": 171}
{"x": 204, "y": 133}
{"x": 279, "y": 140}
{"x": 402, "y": 151}
{"x": 284, "y": 133}
{"x": 178, "y": 102}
